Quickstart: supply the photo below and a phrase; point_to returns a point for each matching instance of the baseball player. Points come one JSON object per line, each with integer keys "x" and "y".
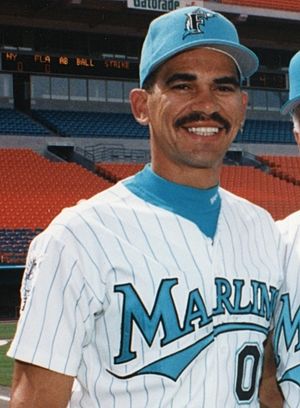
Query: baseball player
{"x": 288, "y": 313}
{"x": 160, "y": 291}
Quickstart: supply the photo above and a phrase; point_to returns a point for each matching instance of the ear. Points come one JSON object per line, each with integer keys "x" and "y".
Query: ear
{"x": 139, "y": 106}
{"x": 297, "y": 136}
{"x": 245, "y": 100}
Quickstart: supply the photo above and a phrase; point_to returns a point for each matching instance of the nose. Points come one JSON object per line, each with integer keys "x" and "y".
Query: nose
{"x": 205, "y": 101}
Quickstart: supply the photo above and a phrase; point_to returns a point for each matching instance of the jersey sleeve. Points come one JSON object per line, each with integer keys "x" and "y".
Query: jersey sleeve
{"x": 56, "y": 316}
{"x": 286, "y": 339}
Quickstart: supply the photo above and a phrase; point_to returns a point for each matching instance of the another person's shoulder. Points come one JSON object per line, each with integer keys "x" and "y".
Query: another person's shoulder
{"x": 290, "y": 226}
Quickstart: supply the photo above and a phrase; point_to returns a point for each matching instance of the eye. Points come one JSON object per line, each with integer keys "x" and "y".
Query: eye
{"x": 181, "y": 86}
{"x": 226, "y": 88}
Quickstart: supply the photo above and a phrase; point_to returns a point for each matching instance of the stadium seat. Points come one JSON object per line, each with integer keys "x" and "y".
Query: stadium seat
{"x": 92, "y": 124}
{"x": 13, "y": 122}
{"x": 266, "y": 131}
{"x": 34, "y": 190}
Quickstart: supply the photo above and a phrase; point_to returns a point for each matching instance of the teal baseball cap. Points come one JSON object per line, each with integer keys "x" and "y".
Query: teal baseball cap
{"x": 294, "y": 80}
{"x": 193, "y": 27}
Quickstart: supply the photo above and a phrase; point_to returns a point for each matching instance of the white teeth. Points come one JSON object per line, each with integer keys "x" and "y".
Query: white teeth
{"x": 204, "y": 131}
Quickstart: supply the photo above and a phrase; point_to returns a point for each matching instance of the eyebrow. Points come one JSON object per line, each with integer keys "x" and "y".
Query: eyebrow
{"x": 191, "y": 77}
{"x": 180, "y": 77}
{"x": 227, "y": 80}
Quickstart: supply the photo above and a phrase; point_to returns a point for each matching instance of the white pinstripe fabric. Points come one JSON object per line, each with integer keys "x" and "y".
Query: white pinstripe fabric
{"x": 72, "y": 318}
{"x": 290, "y": 229}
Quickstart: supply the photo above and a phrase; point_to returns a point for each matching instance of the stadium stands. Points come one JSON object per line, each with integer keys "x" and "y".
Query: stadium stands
{"x": 284, "y": 167}
{"x": 266, "y": 131}
{"x": 279, "y": 196}
{"x": 33, "y": 191}
{"x": 14, "y": 244}
{"x": 91, "y": 124}
{"x": 122, "y": 125}
{"x": 117, "y": 171}
{"x": 116, "y": 152}
{"x": 13, "y": 122}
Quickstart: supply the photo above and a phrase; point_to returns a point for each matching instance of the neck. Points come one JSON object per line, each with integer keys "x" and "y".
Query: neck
{"x": 193, "y": 177}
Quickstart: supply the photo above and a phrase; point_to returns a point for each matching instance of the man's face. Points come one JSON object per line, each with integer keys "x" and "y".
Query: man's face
{"x": 194, "y": 112}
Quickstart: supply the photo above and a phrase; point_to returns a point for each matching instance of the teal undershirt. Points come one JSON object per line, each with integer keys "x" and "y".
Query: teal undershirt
{"x": 201, "y": 206}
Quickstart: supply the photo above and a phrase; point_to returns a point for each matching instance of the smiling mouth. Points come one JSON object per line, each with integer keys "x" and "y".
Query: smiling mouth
{"x": 203, "y": 131}
{"x": 211, "y": 124}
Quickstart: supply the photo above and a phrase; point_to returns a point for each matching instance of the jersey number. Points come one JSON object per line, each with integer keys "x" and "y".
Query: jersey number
{"x": 247, "y": 365}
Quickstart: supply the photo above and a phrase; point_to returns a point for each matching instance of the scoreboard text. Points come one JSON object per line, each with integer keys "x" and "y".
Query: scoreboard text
{"x": 65, "y": 65}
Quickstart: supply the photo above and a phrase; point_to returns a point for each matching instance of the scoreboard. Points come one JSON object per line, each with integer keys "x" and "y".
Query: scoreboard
{"x": 269, "y": 80}
{"x": 106, "y": 68}
{"x": 66, "y": 65}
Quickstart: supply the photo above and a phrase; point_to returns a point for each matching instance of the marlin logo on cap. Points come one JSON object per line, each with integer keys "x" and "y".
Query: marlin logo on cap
{"x": 195, "y": 20}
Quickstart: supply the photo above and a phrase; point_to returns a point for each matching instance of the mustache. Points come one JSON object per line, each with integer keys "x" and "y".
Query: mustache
{"x": 200, "y": 116}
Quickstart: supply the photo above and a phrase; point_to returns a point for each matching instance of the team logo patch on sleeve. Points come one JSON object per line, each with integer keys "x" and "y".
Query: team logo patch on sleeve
{"x": 27, "y": 281}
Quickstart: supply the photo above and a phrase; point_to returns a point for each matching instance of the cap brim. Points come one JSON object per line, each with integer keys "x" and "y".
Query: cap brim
{"x": 290, "y": 105}
{"x": 245, "y": 58}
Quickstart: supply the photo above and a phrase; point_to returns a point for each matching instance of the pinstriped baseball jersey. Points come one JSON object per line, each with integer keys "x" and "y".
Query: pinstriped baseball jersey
{"x": 287, "y": 316}
{"x": 144, "y": 309}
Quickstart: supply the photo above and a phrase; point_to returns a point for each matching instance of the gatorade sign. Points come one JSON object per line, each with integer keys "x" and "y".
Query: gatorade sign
{"x": 162, "y": 5}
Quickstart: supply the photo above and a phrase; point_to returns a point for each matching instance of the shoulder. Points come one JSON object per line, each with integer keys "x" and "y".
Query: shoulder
{"x": 94, "y": 209}
{"x": 239, "y": 205}
{"x": 290, "y": 225}
{"x": 75, "y": 223}
{"x": 289, "y": 228}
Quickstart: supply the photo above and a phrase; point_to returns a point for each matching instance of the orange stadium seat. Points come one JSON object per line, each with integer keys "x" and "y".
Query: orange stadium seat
{"x": 285, "y": 167}
{"x": 279, "y": 196}
{"x": 34, "y": 189}
{"x": 118, "y": 171}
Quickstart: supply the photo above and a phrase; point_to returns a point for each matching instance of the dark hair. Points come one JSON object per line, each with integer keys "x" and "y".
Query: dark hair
{"x": 296, "y": 113}
{"x": 150, "y": 80}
